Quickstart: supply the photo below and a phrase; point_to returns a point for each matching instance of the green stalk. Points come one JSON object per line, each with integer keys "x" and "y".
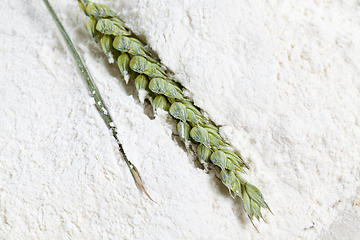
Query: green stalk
{"x": 99, "y": 103}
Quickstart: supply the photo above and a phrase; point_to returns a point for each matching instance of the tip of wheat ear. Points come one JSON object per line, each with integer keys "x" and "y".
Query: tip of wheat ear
{"x": 167, "y": 94}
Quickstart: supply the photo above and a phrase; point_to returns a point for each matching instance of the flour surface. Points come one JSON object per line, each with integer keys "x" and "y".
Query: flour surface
{"x": 281, "y": 78}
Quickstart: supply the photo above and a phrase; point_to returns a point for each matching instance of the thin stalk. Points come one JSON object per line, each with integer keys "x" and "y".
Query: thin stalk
{"x": 99, "y": 103}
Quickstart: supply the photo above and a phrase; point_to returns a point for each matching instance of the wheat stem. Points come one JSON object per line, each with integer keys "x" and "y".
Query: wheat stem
{"x": 99, "y": 103}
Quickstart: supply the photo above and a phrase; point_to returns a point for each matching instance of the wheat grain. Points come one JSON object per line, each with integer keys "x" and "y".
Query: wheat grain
{"x": 167, "y": 94}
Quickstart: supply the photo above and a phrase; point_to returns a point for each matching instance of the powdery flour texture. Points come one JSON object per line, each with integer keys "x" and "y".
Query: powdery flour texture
{"x": 281, "y": 78}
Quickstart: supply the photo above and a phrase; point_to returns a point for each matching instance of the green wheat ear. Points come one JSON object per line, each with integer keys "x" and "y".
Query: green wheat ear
{"x": 101, "y": 10}
{"x": 193, "y": 127}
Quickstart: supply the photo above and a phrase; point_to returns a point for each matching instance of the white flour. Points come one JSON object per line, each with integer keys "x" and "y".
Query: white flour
{"x": 281, "y": 77}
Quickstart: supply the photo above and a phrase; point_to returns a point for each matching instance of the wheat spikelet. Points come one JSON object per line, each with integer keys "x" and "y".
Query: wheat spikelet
{"x": 136, "y": 63}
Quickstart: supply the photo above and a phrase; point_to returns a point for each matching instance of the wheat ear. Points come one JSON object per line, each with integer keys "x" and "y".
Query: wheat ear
{"x": 136, "y": 63}
{"x": 99, "y": 103}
